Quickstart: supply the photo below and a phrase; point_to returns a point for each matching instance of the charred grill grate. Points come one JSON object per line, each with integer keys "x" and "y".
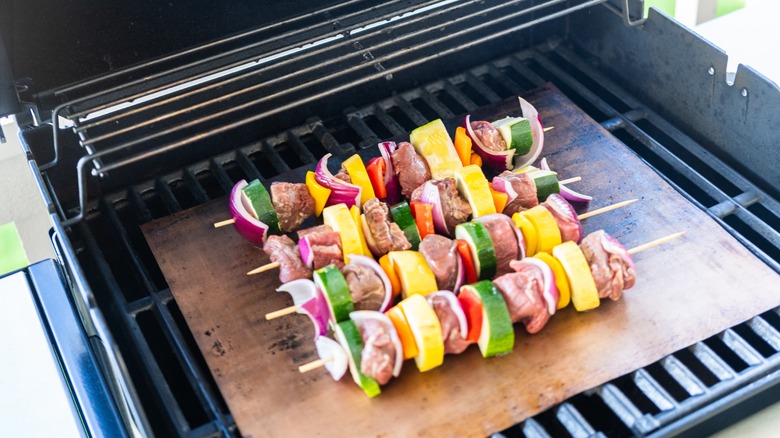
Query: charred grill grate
{"x": 174, "y": 383}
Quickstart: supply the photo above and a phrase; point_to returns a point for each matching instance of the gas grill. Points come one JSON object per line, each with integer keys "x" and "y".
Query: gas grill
{"x": 172, "y": 123}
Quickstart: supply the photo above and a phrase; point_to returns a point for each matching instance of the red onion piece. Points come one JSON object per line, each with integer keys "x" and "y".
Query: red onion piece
{"x": 518, "y": 234}
{"x": 456, "y": 309}
{"x": 341, "y": 192}
{"x": 392, "y": 185}
{"x": 537, "y": 131}
{"x": 310, "y": 302}
{"x": 498, "y": 160}
{"x": 337, "y": 362}
{"x": 551, "y": 293}
{"x": 562, "y": 207}
{"x": 461, "y": 275}
{"x": 306, "y": 252}
{"x": 361, "y": 316}
{"x": 245, "y": 224}
{"x": 430, "y": 195}
{"x": 502, "y": 185}
{"x": 567, "y": 193}
{"x": 370, "y": 263}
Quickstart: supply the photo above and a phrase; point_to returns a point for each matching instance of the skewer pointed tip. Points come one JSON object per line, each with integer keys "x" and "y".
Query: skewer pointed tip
{"x": 655, "y": 242}
{"x": 263, "y": 268}
{"x": 605, "y": 209}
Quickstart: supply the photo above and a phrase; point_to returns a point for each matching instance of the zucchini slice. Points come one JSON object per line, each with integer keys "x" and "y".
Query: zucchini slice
{"x": 258, "y": 203}
{"x": 402, "y": 216}
{"x": 482, "y": 251}
{"x": 336, "y": 292}
{"x": 348, "y": 336}
{"x": 497, "y": 336}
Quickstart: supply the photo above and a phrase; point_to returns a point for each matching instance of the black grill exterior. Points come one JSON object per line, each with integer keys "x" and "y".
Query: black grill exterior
{"x": 186, "y": 148}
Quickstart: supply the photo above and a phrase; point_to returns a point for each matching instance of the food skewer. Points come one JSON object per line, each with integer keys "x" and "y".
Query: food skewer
{"x": 232, "y": 220}
{"x": 274, "y": 265}
{"x": 324, "y": 360}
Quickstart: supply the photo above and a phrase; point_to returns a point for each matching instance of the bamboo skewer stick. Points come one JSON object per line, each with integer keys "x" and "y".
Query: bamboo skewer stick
{"x": 223, "y": 223}
{"x": 605, "y": 209}
{"x": 570, "y": 180}
{"x": 656, "y": 242}
{"x": 305, "y": 368}
{"x": 263, "y": 268}
{"x": 549, "y": 128}
{"x": 281, "y": 312}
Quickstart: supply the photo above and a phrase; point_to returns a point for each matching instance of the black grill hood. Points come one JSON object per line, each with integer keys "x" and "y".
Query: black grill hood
{"x": 56, "y": 43}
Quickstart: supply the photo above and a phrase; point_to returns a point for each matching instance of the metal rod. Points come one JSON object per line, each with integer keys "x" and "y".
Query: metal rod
{"x": 311, "y": 98}
{"x": 332, "y": 61}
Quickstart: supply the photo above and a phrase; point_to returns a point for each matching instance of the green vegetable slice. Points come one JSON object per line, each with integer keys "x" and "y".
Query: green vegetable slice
{"x": 497, "y": 336}
{"x": 334, "y": 288}
{"x": 257, "y": 201}
{"x": 402, "y": 216}
{"x": 516, "y": 132}
{"x": 348, "y": 336}
{"x": 482, "y": 251}
{"x": 546, "y": 182}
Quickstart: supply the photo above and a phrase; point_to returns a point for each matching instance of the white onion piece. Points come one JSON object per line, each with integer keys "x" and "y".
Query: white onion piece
{"x": 456, "y": 309}
{"x": 370, "y": 263}
{"x": 333, "y": 353}
{"x": 249, "y": 227}
{"x": 392, "y": 185}
{"x": 518, "y": 234}
{"x": 498, "y": 160}
{"x": 361, "y": 316}
{"x": 341, "y": 192}
{"x": 537, "y": 132}
{"x": 566, "y": 192}
{"x": 310, "y": 302}
{"x": 550, "y": 291}
{"x": 430, "y": 195}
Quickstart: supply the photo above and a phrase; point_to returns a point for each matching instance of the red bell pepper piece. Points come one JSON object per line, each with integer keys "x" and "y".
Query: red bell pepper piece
{"x": 468, "y": 262}
{"x": 423, "y": 216}
{"x": 376, "y": 173}
{"x": 472, "y": 307}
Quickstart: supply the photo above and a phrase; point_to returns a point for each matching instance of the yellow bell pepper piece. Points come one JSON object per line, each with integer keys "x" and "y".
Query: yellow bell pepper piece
{"x": 435, "y": 145}
{"x": 527, "y": 229}
{"x": 355, "y": 212}
{"x": 426, "y": 330}
{"x": 473, "y": 185}
{"x": 359, "y": 176}
{"x": 547, "y": 231}
{"x": 560, "y": 278}
{"x": 413, "y": 272}
{"x": 340, "y": 219}
{"x": 499, "y": 198}
{"x": 319, "y": 193}
{"x": 584, "y": 294}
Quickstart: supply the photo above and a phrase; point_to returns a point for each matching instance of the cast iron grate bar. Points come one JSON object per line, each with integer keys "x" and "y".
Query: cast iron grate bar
{"x": 172, "y": 332}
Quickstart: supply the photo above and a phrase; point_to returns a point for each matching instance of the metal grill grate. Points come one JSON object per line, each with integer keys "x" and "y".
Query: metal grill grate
{"x": 173, "y": 380}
